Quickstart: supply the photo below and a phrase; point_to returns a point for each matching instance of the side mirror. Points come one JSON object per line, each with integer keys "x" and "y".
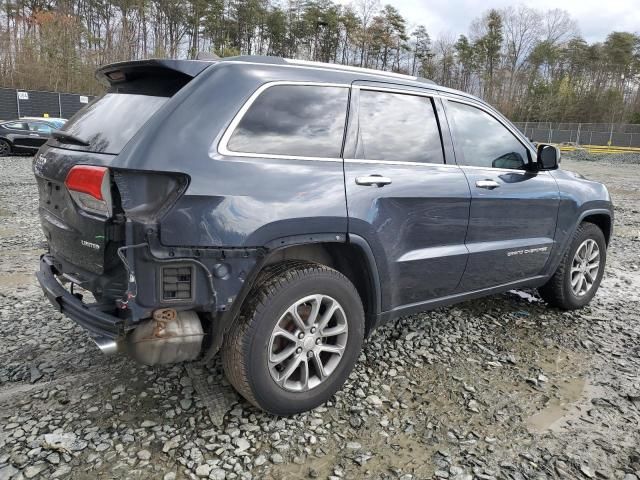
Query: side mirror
{"x": 548, "y": 157}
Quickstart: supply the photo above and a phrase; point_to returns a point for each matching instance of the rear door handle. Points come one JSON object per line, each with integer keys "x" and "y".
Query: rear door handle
{"x": 488, "y": 184}
{"x": 377, "y": 180}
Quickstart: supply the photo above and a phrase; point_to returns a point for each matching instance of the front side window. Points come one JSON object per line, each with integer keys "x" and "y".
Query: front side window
{"x": 482, "y": 141}
{"x": 398, "y": 127}
{"x": 293, "y": 120}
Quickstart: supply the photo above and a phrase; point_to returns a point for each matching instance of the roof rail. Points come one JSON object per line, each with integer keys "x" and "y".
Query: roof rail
{"x": 333, "y": 66}
{"x": 350, "y": 68}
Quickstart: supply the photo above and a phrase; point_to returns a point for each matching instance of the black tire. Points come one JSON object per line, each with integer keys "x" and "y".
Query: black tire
{"x": 246, "y": 347}
{"x": 5, "y": 148}
{"x": 558, "y": 291}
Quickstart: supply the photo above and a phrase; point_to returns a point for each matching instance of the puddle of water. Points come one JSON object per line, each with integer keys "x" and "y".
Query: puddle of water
{"x": 383, "y": 454}
{"x": 560, "y": 407}
{"x": 403, "y": 452}
{"x": 323, "y": 466}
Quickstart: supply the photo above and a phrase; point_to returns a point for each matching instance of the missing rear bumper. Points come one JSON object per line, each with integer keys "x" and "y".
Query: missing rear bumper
{"x": 94, "y": 318}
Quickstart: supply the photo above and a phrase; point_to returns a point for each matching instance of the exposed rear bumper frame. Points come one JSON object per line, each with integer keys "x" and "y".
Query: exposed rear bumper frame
{"x": 89, "y": 316}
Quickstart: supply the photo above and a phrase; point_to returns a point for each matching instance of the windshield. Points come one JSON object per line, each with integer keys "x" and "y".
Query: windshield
{"x": 111, "y": 121}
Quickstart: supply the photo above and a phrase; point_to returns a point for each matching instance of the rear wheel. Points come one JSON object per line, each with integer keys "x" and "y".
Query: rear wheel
{"x": 296, "y": 340}
{"x": 5, "y": 148}
{"x": 578, "y": 276}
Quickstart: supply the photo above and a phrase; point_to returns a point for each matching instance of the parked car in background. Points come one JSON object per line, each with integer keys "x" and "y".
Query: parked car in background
{"x": 26, "y": 135}
{"x": 280, "y": 210}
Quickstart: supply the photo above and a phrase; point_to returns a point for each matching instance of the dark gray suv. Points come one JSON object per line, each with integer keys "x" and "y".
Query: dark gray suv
{"x": 280, "y": 210}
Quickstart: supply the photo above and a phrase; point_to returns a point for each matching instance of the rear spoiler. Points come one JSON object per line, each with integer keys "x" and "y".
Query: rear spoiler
{"x": 117, "y": 75}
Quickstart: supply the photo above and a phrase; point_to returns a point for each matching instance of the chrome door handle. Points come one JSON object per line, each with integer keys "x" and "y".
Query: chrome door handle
{"x": 488, "y": 184}
{"x": 377, "y": 180}
{"x": 34, "y": 134}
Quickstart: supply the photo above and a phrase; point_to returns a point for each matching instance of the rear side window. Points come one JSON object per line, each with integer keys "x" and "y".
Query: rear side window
{"x": 398, "y": 127}
{"x": 483, "y": 141}
{"x": 111, "y": 121}
{"x": 16, "y": 126}
{"x": 293, "y": 120}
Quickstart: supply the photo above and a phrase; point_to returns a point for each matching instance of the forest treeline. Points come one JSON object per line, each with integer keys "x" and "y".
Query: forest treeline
{"x": 531, "y": 64}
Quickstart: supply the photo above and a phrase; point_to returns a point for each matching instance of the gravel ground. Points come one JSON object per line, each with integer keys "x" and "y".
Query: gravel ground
{"x": 499, "y": 388}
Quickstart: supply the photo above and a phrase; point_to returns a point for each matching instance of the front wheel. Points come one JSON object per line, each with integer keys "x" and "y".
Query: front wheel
{"x": 578, "y": 276}
{"x": 297, "y": 339}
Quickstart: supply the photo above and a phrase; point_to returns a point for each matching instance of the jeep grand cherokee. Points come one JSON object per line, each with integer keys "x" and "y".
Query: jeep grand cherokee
{"x": 280, "y": 210}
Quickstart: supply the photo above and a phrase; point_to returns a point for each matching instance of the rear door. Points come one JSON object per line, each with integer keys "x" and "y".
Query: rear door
{"x": 403, "y": 196}
{"x": 513, "y": 210}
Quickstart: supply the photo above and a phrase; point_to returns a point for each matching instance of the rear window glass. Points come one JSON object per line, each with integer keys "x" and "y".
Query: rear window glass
{"x": 111, "y": 121}
{"x": 294, "y": 120}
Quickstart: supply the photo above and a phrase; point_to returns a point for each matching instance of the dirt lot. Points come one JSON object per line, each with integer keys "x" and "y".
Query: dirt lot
{"x": 497, "y": 388}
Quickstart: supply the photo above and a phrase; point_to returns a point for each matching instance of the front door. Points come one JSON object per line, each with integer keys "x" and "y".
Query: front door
{"x": 403, "y": 198}
{"x": 513, "y": 210}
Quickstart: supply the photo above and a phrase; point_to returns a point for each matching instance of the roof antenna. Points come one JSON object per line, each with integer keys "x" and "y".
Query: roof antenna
{"x": 207, "y": 56}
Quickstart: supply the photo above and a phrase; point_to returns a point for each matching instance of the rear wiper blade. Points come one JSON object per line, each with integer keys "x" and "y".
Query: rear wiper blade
{"x": 65, "y": 137}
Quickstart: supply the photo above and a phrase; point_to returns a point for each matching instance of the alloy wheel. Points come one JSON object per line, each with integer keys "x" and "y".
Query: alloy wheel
{"x": 585, "y": 266}
{"x": 307, "y": 343}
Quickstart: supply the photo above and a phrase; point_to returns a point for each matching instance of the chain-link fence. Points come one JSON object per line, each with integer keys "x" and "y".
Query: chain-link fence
{"x": 604, "y": 134}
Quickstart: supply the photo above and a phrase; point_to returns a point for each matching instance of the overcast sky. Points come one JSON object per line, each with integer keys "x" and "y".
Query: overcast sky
{"x": 596, "y": 18}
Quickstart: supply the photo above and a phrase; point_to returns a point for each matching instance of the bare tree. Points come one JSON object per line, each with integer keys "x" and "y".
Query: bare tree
{"x": 522, "y": 29}
{"x": 367, "y": 10}
{"x": 559, "y": 27}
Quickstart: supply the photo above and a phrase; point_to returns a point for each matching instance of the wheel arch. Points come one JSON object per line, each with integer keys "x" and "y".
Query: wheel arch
{"x": 602, "y": 219}
{"x": 352, "y": 258}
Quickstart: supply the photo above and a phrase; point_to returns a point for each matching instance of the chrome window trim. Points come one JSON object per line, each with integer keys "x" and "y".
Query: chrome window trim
{"x": 512, "y": 170}
{"x": 223, "y": 148}
{"x": 410, "y": 90}
{"x": 398, "y": 162}
{"x": 438, "y": 165}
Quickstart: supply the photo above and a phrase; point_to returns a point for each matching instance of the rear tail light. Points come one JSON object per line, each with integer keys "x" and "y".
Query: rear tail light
{"x": 90, "y": 187}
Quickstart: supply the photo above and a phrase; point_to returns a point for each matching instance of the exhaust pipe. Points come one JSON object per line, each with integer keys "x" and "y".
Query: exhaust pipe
{"x": 108, "y": 346}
